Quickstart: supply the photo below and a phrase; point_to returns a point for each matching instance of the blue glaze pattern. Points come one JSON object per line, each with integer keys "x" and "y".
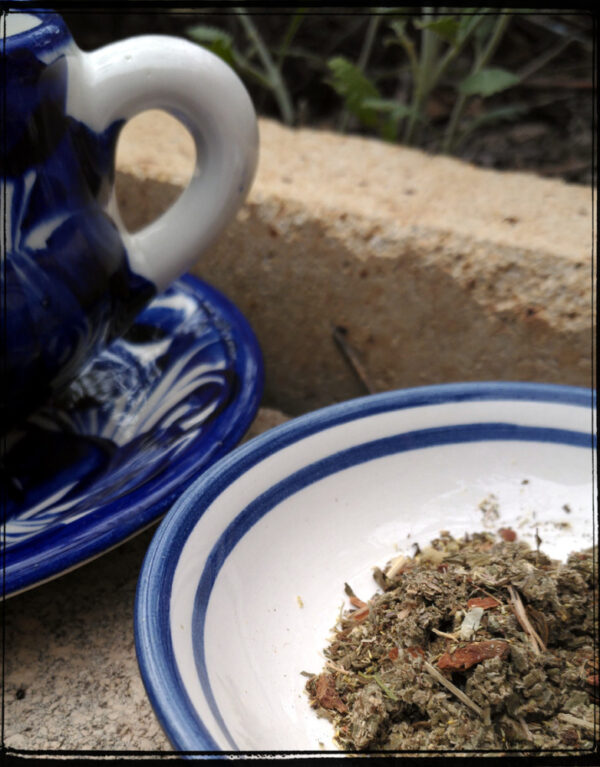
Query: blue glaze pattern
{"x": 65, "y": 282}
{"x": 107, "y": 456}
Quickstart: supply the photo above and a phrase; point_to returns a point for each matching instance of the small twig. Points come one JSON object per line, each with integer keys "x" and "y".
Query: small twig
{"x": 330, "y": 664}
{"x": 455, "y": 690}
{"x": 454, "y": 637}
{"x": 541, "y": 61}
{"x": 351, "y": 357}
{"x": 570, "y": 719}
{"x": 521, "y": 615}
{"x": 396, "y": 565}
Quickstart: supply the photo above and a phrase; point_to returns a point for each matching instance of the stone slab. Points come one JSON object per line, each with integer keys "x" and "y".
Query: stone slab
{"x": 435, "y": 270}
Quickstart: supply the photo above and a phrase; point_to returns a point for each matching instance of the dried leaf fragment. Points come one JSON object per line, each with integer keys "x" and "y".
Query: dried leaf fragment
{"x": 327, "y": 696}
{"x": 467, "y": 656}
{"x": 484, "y": 602}
{"x": 471, "y": 623}
{"x": 507, "y": 534}
{"x": 361, "y": 613}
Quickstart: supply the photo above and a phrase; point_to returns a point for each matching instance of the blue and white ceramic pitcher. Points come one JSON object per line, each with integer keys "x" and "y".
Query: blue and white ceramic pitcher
{"x": 72, "y": 277}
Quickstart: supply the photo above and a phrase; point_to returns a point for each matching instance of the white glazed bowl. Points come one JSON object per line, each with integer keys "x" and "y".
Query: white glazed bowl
{"x": 244, "y": 578}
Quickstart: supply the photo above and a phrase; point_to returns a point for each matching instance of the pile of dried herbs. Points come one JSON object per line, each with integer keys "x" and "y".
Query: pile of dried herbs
{"x": 475, "y": 644}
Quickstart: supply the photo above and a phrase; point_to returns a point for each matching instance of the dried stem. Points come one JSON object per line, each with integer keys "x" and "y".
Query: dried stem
{"x": 454, "y": 689}
{"x": 396, "y": 565}
{"x": 330, "y": 664}
{"x": 577, "y": 721}
{"x": 521, "y": 615}
{"x": 351, "y": 358}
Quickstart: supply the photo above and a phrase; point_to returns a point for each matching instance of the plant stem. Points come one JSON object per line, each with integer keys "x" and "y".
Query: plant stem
{"x": 374, "y": 23}
{"x": 429, "y": 48}
{"x": 480, "y": 63}
{"x": 456, "y": 49}
{"x": 272, "y": 72}
{"x": 290, "y": 33}
{"x": 363, "y": 59}
{"x": 453, "y": 689}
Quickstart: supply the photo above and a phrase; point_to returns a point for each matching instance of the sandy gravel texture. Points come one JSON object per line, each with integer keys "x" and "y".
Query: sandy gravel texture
{"x": 71, "y": 676}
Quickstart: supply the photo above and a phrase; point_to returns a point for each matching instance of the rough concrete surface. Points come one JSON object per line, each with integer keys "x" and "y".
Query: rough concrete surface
{"x": 436, "y": 270}
{"x": 71, "y": 680}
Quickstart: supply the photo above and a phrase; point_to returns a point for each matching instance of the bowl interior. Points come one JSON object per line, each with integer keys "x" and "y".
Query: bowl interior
{"x": 257, "y": 579}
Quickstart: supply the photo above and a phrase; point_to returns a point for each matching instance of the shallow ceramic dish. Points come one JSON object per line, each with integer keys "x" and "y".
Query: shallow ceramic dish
{"x": 109, "y": 456}
{"x": 244, "y": 577}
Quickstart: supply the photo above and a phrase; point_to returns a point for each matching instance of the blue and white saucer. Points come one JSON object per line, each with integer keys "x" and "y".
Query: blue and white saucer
{"x": 109, "y": 456}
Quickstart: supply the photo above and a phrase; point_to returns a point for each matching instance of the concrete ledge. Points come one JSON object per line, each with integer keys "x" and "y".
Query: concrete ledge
{"x": 436, "y": 270}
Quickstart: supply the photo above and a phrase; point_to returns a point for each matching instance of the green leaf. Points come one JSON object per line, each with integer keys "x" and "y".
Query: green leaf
{"x": 389, "y": 106}
{"x": 446, "y": 27}
{"x": 216, "y": 40}
{"x": 486, "y": 82}
{"x": 352, "y": 85}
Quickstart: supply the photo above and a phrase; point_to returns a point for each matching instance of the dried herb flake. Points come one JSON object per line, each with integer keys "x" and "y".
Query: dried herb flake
{"x": 473, "y": 644}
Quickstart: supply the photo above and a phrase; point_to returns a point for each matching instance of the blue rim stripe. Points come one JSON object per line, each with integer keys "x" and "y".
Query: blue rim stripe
{"x": 152, "y": 619}
{"x": 344, "y": 459}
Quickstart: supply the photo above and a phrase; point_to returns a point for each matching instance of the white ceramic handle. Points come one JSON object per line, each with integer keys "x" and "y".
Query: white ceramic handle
{"x": 199, "y": 89}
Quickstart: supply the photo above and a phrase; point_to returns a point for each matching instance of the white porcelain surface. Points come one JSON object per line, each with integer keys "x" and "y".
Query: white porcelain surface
{"x": 252, "y": 560}
{"x": 198, "y": 88}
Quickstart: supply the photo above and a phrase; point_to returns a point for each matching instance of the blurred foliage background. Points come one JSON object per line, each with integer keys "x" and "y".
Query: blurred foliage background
{"x": 508, "y": 89}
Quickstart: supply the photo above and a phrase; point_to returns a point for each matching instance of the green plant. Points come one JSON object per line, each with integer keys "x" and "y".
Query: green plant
{"x": 447, "y": 49}
{"x": 443, "y": 38}
{"x": 257, "y": 62}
